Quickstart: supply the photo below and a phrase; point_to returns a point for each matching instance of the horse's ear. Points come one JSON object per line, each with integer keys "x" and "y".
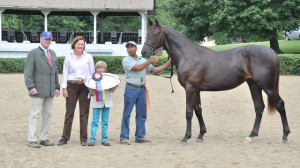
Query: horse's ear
{"x": 156, "y": 22}
{"x": 150, "y": 22}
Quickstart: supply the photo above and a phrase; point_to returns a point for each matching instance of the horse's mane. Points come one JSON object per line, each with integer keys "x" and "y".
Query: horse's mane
{"x": 178, "y": 33}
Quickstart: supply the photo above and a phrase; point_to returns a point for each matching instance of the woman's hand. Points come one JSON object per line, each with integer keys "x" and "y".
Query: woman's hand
{"x": 65, "y": 92}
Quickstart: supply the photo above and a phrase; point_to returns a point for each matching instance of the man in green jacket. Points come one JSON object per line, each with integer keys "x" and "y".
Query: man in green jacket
{"x": 41, "y": 80}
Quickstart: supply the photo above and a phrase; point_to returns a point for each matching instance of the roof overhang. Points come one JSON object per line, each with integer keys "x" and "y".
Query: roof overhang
{"x": 17, "y": 6}
{"x": 70, "y": 13}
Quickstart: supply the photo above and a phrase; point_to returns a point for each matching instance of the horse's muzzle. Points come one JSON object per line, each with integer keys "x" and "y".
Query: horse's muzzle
{"x": 145, "y": 53}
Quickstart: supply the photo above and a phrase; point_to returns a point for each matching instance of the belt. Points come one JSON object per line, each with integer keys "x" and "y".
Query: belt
{"x": 138, "y": 86}
{"x": 76, "y": 81}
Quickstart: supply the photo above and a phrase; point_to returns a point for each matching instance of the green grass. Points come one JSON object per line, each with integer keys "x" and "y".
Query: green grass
{"x": 290, "y": 47}
{"x": 287, "y": 47}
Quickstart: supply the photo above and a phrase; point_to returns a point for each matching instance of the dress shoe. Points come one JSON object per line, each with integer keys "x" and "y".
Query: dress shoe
{"x": 34, "y": 144}
{"x": 91, "y": 143}
{"x": 62, "y": 142}
{"x": 106, "y": 143}
{"x": 83, "y": 143}
{"x": 46, "y": 143}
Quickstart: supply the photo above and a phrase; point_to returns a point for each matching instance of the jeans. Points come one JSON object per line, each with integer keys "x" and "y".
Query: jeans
{"x": 95, "y": 122}
{"x": 134, "y": 96}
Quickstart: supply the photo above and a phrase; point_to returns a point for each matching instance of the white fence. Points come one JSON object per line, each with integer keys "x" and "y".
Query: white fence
{"x": 20, "y": 50}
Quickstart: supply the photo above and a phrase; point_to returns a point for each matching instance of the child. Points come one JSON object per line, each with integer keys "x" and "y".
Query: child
{"x": 100, "y": 106}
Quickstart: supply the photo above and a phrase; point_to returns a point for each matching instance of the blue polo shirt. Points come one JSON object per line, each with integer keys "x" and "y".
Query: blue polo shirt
{"x": 135, "y": 77}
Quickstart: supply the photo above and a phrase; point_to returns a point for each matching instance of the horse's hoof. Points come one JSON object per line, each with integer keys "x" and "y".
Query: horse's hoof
{"x": 248, "y": 140}
{"x": 200, "y": 140}
{"x": 284, "y": 142}
{"x": 183, "y": 143}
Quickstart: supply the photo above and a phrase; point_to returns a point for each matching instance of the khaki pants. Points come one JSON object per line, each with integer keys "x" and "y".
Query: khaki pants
{"x": 39, "y": 107}
{"x": 76, "y": 92}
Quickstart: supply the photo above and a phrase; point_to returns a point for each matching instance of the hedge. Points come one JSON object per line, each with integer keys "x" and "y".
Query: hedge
{"x": 289, "y": 64}
{"x": 114, "y": 64}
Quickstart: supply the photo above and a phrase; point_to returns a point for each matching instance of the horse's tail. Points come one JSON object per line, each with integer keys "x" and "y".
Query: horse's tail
{"x": 271, "y": 107}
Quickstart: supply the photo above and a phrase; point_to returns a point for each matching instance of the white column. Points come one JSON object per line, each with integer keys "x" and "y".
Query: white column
{"x": 1, "y": 10}
{"x": 46, "y": 12}
{"x": 95, "y": 13}
{"x": 144, "y": 25}
{"x": 102, "y": 29}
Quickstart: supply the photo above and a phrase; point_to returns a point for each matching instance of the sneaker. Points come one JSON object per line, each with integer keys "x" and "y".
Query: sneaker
{"x": 143, "y": 140}
{"x": 125, "y": 141}
{"x": 62, "y": 142}
{"x": 34, "y": 144}
{"x": 83, "y": 143}
{"x": 106, "y": 143}
{"x": 47, "y": 143}
{"x": 91, "y": 143}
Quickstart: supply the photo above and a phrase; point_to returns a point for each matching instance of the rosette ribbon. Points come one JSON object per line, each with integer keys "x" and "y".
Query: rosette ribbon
{"x": 100, "y": 93}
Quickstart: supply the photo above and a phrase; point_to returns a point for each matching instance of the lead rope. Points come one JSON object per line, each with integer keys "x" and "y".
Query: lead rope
{"x": 171, "y": 75}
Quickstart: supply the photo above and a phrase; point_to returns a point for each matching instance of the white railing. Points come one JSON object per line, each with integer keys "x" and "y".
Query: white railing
{"x": 20, "y": 50}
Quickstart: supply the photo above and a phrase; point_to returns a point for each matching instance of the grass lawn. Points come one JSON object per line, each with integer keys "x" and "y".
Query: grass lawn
{"x": 287, "y": 46}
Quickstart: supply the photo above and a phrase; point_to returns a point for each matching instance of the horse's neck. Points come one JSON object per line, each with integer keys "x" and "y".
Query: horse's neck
{"x": 176, "y": 45}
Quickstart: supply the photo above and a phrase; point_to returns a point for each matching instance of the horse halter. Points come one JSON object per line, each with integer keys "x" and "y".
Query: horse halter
{"x": 157, "y": 41}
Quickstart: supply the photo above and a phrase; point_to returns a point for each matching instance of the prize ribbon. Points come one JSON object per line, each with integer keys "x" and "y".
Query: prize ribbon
{"x": 100, "y": 93}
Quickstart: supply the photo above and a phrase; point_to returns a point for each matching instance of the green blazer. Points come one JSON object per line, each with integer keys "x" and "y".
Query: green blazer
{"x": 39, "y": 74}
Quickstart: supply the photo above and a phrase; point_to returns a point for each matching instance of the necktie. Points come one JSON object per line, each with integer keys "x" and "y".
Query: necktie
{"x": 49, "y": 57}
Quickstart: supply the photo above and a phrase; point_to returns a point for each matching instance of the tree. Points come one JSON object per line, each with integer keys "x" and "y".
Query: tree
{"x": 237, "y": 18}
{"x": 164, "y": 16}
{"x": 122, "y": 23}
{"x": 67, "y": 23}
{"x": 11, "y": 22}
{"x": 193, "y": 15}
{"x": 72, "y": 23}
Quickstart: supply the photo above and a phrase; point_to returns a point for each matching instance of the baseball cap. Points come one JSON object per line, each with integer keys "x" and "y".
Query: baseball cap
{"x": 46, "y": 35}
{"x": 130, "y": 43}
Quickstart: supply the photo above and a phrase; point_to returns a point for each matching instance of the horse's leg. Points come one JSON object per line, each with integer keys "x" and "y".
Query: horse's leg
{"x": 279, "y": 105}
{"x": 198, "y": 111}
{"x": 256, "y": 93}
{"x": 190, "y": 101}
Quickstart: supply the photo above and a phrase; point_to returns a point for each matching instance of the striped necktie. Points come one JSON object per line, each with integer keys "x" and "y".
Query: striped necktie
{"x": 49, "y": 57}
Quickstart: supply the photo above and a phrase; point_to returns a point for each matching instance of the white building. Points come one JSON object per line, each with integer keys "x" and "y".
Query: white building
{"x": 96, "y": 8}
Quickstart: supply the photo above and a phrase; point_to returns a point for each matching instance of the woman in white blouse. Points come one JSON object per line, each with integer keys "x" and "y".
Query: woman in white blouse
{"x": 77, "y": 66}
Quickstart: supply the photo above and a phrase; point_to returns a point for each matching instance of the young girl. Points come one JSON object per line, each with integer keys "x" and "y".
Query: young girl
{"x": 100, "y": 106}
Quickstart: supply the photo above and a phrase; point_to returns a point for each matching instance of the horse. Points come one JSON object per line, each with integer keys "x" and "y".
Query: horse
{"x": 202, "y": 69}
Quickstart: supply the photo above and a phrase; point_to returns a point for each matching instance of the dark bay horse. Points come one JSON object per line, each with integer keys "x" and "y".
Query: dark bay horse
{"x": 202, "y": 69}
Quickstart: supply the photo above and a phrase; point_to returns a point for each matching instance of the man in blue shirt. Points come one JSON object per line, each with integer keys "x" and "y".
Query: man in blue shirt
{"x": 136, "y": 68}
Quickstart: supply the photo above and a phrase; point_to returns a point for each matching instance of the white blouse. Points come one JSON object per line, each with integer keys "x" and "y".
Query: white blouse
{"x": 77, "y": 68}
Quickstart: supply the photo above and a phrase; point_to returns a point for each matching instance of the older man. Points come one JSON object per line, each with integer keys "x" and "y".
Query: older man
{"x": 41, "y": 80}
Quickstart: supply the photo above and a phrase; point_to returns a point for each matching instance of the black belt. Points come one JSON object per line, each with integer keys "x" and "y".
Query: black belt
{"x": 76, "y": 81}
{"x": 138, "y": 86}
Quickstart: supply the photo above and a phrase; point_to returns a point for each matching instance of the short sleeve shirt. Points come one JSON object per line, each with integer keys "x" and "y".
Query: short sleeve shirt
{"x": 135, "y": 77}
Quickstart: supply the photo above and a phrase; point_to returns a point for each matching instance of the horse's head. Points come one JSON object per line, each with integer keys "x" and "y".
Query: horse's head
{"x": 154, "y": 39}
